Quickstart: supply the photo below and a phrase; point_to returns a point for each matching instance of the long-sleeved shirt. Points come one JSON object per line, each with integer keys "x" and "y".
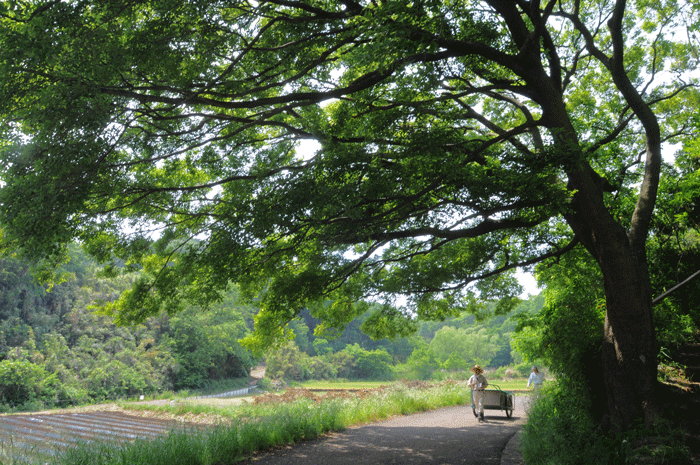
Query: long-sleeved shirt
{"x": 535, "y": 378}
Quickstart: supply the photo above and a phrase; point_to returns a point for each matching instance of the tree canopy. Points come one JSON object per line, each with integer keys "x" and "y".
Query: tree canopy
{"x": 456, "y": 142}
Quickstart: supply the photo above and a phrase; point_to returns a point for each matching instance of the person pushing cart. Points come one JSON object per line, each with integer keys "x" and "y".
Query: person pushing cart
{"x": 478, "y": 383}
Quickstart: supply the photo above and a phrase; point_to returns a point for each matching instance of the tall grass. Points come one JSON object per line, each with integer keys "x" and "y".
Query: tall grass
{"x": 562, "y": 431}
{"x": 249, "y": 428}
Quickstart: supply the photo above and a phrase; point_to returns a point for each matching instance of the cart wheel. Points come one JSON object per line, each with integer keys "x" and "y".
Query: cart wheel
{"x": 509, "y": 413}
{"x": 474, "y": 411}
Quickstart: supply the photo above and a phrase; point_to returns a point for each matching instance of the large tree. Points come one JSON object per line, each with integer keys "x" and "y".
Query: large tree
{"x": 456, "y": 142}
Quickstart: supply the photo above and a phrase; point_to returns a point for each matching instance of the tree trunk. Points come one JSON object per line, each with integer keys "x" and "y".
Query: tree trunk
{"x": 629, "y": 343}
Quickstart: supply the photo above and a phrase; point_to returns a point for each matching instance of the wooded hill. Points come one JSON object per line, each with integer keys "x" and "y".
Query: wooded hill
{"x": 56, "y": 350}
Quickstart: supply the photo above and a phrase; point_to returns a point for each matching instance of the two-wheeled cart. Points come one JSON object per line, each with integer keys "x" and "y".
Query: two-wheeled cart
{"x": 496, "y": 399}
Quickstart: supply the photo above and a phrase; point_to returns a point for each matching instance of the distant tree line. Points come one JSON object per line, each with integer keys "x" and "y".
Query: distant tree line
{"x": 57, "y": 350}
{"x": 437, "y": 350}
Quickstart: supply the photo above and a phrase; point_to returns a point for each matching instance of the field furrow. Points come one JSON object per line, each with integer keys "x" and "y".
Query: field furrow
{"x": 44, "y": 434}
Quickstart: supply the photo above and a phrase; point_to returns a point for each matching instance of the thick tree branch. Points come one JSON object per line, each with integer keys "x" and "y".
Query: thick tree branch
{"x": 485, "y": 227}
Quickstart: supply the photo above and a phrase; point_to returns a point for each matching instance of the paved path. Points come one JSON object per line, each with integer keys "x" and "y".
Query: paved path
{"x": 448, "y": 436}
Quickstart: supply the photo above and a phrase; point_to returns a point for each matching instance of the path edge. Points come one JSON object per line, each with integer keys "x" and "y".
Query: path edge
{"x": 511, "y": 454}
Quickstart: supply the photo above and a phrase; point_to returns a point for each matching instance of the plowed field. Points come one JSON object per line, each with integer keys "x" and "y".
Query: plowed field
{"x": 43, "y": 434}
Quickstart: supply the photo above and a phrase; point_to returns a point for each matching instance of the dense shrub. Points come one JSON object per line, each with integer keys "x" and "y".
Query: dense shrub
{"x": 288, "y": 362}
{"x": 22, "y": 381}
{"x": 420, "y": 365}
{"x": 343, "y": 362}
{"x": 512, "y": 372}
{"x": 562, "y": 430}
{"x": 321, "y": 368}
{"x": 369, "y": 364}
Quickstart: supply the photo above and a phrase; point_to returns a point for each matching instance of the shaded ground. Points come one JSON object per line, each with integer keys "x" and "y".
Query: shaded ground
{"x": 682, "y": 406}
{"x": 681, "y": 397}
{"x": 447, "y": 436}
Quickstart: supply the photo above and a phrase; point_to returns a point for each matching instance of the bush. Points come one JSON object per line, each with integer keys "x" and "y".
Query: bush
{"x": 507, "y": 373}
{"x": 370, "y": 364}
{"x": 21, "y": 381}
{"x": 343, "y": 362}
{"x": 420, "y": 365}
{"x": 322, "y": 369}
{"x": 444, "y": 375}
{"x": 288, "y": 362}
{"x": 673, "y": 329}
{"x": 562, "y": 430}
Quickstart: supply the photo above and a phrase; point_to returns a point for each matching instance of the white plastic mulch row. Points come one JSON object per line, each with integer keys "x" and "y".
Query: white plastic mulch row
{"x": 43, "y": 434}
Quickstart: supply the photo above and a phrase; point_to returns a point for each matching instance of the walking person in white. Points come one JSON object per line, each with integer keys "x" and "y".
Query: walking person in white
{"x": 478, "y": 383}
{"x": 535, "y": 380}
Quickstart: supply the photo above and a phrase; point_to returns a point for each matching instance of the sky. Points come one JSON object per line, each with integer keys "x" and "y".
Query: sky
{"x": 529, "y": 284}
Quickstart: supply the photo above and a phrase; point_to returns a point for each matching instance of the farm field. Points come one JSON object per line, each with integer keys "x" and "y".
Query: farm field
{"x": 41, "y": 435}
{"x": 331, "y": 385}
{"x": 508, "y": 385}
{"x": 515, "y": 385}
